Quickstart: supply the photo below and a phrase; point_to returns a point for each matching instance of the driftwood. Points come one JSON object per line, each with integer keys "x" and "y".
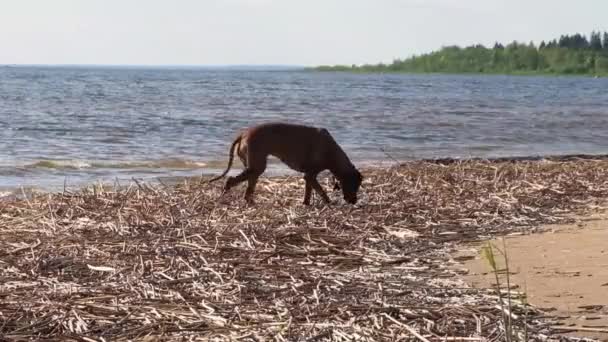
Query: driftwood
{"x": 180, "y": 262}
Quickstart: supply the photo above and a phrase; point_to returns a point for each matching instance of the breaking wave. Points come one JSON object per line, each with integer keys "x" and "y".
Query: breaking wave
{"x": 181, "y": 164}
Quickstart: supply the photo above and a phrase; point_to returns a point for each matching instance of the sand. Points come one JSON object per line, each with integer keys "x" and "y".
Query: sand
{"x": 564, "y": 271}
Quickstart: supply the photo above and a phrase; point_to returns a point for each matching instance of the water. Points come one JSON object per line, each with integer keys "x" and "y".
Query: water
{"x": 79, "y": 125}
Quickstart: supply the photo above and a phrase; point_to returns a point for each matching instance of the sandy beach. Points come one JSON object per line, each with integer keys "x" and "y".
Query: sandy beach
{"x": 563, "y": 271}
{"x": 154, "y": 261}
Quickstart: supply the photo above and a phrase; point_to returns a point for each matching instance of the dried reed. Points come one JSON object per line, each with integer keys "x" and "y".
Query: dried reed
{"x": 176, "y": 262}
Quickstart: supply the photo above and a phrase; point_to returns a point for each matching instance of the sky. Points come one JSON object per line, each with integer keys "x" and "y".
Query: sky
{"x": 286, "y": 32}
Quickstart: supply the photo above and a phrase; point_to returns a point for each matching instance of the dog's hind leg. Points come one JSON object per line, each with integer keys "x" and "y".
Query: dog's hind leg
{"x": 251, "y": 183}
{"x": 233, "y": 181}
{"x": 256, "y": 166}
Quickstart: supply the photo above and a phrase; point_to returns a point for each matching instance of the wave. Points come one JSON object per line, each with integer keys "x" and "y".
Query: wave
{"x": 59, "y": 164}
{"x": 6, "y": 193}
{"x": 17, "y": 193}
{"x": 169, "y": 163}
{"x": 182, "y": 164}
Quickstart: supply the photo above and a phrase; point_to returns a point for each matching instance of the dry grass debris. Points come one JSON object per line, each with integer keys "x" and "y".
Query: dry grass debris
{"x": 175, "y": 262}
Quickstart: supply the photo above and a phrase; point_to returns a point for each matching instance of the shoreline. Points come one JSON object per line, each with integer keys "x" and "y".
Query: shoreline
{"x": 278, "y": 169}
{"x": 397, "y": 72}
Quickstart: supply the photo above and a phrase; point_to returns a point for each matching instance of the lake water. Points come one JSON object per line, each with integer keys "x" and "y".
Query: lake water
{"x": 82, "y": 124}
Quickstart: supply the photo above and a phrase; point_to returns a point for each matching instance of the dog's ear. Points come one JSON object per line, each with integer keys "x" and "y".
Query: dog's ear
{"x": 336, "y": 185}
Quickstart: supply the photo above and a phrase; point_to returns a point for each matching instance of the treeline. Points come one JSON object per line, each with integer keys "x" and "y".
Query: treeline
{"x": 570, "y": 54}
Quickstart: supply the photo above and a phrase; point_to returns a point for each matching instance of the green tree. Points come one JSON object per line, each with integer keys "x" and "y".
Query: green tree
{"x": 580, "y": 42}
{"x": 571, "y": 54}
{"x": 564, "y": 41}
{"x": 595, "y": 41}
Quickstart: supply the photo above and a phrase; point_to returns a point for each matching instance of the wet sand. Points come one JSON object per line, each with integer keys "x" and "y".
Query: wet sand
{"x": 564, "y": 271}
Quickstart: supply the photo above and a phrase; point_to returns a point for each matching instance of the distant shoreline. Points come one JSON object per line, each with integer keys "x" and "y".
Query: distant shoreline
{"x": 306, "y": 69}
{"x": 568, "y": 55}
{"x": 438, "y": 73}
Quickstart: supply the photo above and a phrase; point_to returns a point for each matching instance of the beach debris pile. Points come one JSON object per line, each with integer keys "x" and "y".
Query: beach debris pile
{"x": 144, "y": 260}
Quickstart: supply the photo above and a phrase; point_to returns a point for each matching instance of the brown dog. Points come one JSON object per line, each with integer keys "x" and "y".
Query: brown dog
{"x": 303, "y": 148}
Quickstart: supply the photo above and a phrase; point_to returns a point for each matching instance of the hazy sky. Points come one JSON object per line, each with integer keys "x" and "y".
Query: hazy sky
{"x": 303, "y": 32}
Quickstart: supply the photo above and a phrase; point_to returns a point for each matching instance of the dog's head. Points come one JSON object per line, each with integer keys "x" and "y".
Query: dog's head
{"x": 349, "y": 183}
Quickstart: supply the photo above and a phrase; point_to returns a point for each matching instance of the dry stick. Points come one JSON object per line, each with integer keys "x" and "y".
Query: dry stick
{"x": 456, "y": 338}
{"x": 508, "y": 288}
{"x": 53, "y": 218}
{"x": 407, "y": 327}
{"x": 319, "y": 336}
{"x": 575, "y": 328}
{"x": 17, "y": 250}
{"x": 7, "y": 319}
{"x": 200, "y": 182}
{"x": 26, "y": 199}
{"x": 139, "y": 185}
{"x": 390, "y": 156}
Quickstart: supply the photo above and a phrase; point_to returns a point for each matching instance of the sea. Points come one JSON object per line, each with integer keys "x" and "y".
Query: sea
{"x": 70, "y": 126}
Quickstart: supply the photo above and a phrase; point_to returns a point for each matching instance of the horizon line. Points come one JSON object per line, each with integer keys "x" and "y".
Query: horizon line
{"x": 253, "y": 65}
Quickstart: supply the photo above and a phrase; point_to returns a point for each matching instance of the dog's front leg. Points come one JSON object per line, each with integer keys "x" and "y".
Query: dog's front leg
{"x": 312, "y": 180}
{"x": 307, "y": 192}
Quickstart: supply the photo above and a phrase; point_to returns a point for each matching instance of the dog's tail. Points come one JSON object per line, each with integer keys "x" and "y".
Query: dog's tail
{"x": 231, "y": 157}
